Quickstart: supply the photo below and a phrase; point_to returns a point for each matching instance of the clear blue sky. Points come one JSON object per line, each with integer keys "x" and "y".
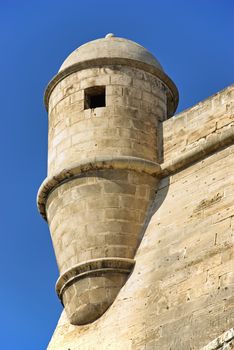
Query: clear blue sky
{"x": 193, "y": 40}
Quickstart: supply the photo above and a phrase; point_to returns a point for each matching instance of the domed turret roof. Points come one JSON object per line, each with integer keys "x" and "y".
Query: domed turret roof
{"x": 112, "y": 50}
{"x": 110, "y": 47}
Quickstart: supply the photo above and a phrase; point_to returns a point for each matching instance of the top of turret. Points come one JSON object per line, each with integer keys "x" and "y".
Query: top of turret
{"x": 111, "y": 47}
{"x": 112, "y": 50}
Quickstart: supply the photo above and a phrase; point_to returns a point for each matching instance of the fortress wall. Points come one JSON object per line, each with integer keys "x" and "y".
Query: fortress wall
{"x": 191, "y": 237}
{"x": 180, "y": 294}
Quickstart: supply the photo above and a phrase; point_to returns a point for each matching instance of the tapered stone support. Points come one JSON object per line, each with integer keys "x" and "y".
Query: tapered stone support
{"x": 103, "y": 167}
{"x": 96, "y": 223}
{"x": 89, "y": 288}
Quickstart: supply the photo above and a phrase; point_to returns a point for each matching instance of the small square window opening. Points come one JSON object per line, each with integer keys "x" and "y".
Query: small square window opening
{"x": 95, "y": 97}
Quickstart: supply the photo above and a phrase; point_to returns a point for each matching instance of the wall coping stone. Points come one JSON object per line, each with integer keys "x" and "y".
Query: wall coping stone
{"x": 217, "y": 140}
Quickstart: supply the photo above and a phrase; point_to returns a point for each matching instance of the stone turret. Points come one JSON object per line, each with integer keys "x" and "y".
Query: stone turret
{"x": 106, "y": 106}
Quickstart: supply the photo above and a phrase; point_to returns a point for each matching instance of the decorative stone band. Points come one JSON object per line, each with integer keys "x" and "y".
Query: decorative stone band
{"x": 223, "y": 342}
{"x": 127, "y": 163}
{"x": 95, "y": 267}
{"x": 216, "y": 141}
{"x": 172, "y": 96}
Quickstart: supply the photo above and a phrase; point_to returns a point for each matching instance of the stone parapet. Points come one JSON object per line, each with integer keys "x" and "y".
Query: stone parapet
{"x": 204, "y": 127}
{"x": 216, "y": 141}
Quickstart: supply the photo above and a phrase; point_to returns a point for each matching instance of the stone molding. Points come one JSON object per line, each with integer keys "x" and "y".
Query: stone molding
{"x": 124, "y": 163}
{"x": 216, "y": 141}
{"x": 172, "y": 95}
{"x": 223, "y": 342}
{"x": 95, "y": 267}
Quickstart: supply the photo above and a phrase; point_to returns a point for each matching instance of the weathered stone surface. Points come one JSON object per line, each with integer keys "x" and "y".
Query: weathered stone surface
{"x": 208, "y": 125}
{"x": 180, "y": 293}
{"x": 126, "y": 126}
{"x": 102, "y": 199}
{"x": 223, "y": 342}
